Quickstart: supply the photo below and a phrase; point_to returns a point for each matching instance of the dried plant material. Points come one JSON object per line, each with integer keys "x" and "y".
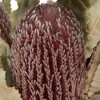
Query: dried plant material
{"x": 94, "y": 28}
{"x": 7, "y": 93}
{"x": 95, "y": 97}
{"x": 93, "y": 80}
{"x": 5, "y": 25}
{"x": 48, "y": 59}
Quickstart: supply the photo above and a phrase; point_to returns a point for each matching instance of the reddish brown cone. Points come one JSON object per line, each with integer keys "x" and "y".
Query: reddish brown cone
{"x": 48, "y": 55}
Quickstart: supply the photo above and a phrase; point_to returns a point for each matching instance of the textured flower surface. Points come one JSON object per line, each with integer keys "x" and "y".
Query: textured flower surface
{"x": 48, "y": 55}
{"x": 5, "y": 24}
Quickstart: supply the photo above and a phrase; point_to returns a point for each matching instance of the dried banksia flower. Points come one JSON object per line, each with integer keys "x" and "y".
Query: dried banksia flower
{"x": 5, "y": 24}
{"x": 81, "y": 9}
{"x": 48, "y": 58}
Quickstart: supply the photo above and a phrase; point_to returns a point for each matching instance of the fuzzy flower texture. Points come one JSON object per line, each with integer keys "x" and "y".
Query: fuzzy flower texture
{"x": 48, "y": 58}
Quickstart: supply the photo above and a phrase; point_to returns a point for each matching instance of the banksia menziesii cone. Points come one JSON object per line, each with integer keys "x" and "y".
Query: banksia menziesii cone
{"x": 5, "y": 24}
{"x": 48, "y": 58}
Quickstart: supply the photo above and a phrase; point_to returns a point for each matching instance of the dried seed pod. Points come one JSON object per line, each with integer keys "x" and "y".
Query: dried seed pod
{"x": 5, "y": 25}
{"x": 48, "y": 55}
